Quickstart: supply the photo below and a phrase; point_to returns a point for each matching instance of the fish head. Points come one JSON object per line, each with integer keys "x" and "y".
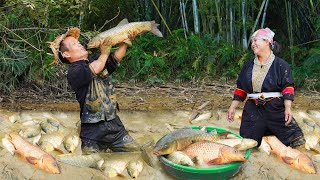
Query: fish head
{"x": 134, "y": 173}
{"x": 165, "y": 148}
{"x": 248, "y": 143}
{"x": 50, "y": 165}
{"x": 232, "y": 154}
{"x": 305, "y": 164}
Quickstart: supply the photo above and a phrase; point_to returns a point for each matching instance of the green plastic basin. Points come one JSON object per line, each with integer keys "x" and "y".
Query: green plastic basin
{"x": 217, "y": 172}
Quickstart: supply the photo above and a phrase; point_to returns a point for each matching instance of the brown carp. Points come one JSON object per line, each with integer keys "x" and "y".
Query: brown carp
{"x": 134, "y": 168}
{"x": 33, "y": 154}
{"x": 180, "y": 139}
{"x": 293, "y": 157}
{"x": 213, "y": 153}
{"x": 123, "y": 32}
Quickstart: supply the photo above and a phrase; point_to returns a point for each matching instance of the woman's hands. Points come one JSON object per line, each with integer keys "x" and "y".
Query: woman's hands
{"x": 232, "y": 110}
{"x": 287, "y": 111}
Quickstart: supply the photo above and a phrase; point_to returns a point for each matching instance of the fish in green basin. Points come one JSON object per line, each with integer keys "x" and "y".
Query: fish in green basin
{"x": 178, "y": 157}
{"x": 123, "y": 31}
{"x": 181, "y": 138}
{"x": 239, "y": 144}
{"x": 213, "y": 153}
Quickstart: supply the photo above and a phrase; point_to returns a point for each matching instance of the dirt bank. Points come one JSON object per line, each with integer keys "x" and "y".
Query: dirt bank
{"x": 137, "y": 97}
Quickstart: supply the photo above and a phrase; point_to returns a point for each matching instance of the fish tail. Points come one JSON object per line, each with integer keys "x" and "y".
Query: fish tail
{"x": 155, "y": 30}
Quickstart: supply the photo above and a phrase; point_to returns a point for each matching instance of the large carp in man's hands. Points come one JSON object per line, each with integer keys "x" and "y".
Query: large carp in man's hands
{"x": 33, "y": 154}
{"x": 123, "y": 31}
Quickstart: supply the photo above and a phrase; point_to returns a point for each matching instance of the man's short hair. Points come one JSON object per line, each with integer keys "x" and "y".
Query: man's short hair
{"x": 62, "y": 49}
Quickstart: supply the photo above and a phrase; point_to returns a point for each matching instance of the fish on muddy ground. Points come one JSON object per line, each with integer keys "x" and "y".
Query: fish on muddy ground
{"x": 293, "y": 157}
{"x": 239, "y": 144}
{"x": 112, "y": 168}
{"x": 33, "y": 154}
{"x": 178, "y": 157}
{"x": 202, "y": 117}
{"x": 213, "y": 153}
{"x": 124, "y": 30}
{"x": 91, "y": 160}
{"x": 265, "y": 147}
{"x": 314, "y": 113}
{"x": 312, "y": 141}
{"x": 8, "y": 145}
{"x": 180, "y": 139}
{"x": 134, "y": 168}
{"x": 71, "y": 142}
{"x": 31, "y": 131}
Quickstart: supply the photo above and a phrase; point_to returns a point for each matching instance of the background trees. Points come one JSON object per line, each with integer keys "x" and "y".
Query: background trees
{"x": 203, "y": 38}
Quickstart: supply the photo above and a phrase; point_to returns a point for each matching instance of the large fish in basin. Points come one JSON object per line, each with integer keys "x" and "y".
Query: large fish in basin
{"x": 122, "y": 32}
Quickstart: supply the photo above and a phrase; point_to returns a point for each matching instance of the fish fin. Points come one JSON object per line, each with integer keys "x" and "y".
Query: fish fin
{"x": 123, "y": 22}
{"x": 32, "y": 160}
{"x": 155, "y": 30}
{"x": 121, "y": 175}
{"x": 317, "y": 150}
{"x": 215, "y": 161}
{"x": 287, "y": 159}
{"x": 61, "y": 149}
{"x": 224, "y": 135}
{"x": 238, "y": 146}
{"x": 128, "y": 42}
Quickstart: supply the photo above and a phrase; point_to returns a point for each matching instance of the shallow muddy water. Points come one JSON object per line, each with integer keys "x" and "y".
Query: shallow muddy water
{"x": 145, "y": 126}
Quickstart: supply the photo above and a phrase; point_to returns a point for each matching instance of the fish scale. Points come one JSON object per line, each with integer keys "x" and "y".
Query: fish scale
{"x": 213, "y": 153}
{"x": 290, "y": 156}
{"x": 180, "y": 139}
{"x": 34, "y": 155}
{"x": 122, "y": 32}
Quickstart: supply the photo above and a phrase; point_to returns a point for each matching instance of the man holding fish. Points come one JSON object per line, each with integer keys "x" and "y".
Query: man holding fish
{"x": 90, "y": 78}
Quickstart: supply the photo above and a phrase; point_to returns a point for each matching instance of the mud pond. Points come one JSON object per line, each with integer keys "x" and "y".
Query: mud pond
{"x": 145, "y": 126}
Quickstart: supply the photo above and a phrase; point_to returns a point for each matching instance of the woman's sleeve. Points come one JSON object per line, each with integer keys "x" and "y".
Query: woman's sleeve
{"x": 239, "y": 93}
{"x": 287, "y": 83}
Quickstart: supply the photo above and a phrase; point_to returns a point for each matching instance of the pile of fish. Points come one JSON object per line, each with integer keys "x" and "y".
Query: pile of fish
{"x": 44, "y": 141}
{"x": 38, "y": 139}
{"x": 309, "y": 122}
{"x": 111, "y": 164}
{"x": 192, "y": 147}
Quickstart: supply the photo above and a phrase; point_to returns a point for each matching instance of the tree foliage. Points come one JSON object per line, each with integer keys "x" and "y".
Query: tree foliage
{"x": 218, "y": 50}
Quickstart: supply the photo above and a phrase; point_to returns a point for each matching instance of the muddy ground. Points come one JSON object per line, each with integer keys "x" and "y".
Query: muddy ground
{"x": 148, "y": 113}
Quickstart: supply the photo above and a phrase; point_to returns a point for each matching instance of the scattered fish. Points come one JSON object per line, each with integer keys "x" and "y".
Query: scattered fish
{"x": 13, "y": 119}
{"x": 51, "y": 141}
{"x": 31, "y": 131}
{"x": 33, "y": 154}
{"x": 314, "y": 113}
{"x": 47, "y": 127}
{"x": 123, "y": 31}
{"x": 239, "y": 144}
{"x": 312, "y": 141}
{"x": 71, "y": 142}
{"x": 8, "y": 145}
{"x": 293, "y": 157}
{"x": 178, "y": 157}
{"x": 264, "y": 146}
{"x": 112, "y": 168}
{"x": 181, "y": 138}
{"x": 81, "y": 160}
{"x": 309, "y": 122}
{"x": 202, "y": 117}
{"x": 213, "y": 153}
{"x": 134, "y": 168}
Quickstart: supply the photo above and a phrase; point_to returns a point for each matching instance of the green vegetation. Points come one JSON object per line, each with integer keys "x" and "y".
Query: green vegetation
{"x": 218, "y": 49}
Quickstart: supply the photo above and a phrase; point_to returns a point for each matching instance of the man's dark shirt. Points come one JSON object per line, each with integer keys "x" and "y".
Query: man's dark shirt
{"x": 80, "y": 75}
